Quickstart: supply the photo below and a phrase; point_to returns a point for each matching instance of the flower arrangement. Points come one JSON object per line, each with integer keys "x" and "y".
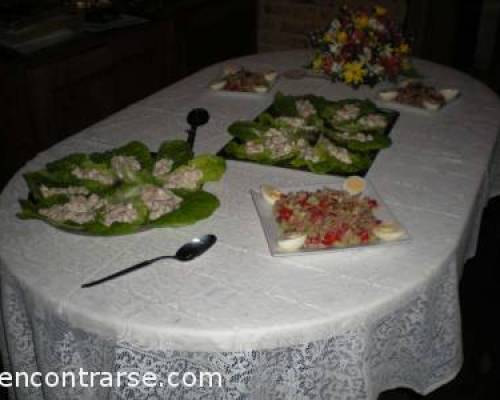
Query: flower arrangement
{"x": 362, "y": 46}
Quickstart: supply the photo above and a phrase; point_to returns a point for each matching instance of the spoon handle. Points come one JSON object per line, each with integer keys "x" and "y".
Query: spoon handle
{"x": 124, "y": 271}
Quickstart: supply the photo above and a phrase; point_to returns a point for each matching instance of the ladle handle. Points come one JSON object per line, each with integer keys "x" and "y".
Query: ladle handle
{"x": 191, "y": 136}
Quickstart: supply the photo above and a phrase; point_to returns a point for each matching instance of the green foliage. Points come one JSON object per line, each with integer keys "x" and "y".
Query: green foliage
{"x": 245, "y": 130}
{"x": 178, "y": 151}
{"x": 137, "y": 150}
{"x": 213, "y": 167}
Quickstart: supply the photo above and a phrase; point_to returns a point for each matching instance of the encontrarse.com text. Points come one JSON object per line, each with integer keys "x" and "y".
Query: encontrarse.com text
{"x": 106, "y": 379}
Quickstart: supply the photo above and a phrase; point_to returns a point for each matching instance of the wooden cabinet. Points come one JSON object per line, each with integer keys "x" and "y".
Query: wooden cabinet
{"x": 52, "y": 94}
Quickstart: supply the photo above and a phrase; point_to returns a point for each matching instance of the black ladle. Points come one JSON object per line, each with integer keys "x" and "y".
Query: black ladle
{"x": 196, "y": 118}
{"x": 187, "y": 252}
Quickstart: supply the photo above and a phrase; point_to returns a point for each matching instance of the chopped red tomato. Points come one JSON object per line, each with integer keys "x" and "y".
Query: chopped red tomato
{"x": 285, "y": 213}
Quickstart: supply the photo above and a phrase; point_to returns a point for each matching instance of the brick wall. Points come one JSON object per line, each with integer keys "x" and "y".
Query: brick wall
{"x": 283, "y": 24}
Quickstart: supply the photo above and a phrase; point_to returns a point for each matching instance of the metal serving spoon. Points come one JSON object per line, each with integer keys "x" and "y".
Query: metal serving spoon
{"x": 187, "y": 252}
{"x": 196, "y": 117}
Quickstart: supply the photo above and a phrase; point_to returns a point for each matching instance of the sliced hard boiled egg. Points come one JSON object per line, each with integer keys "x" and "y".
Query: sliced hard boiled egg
{"x": 428, "y": 105}
{"x": 406, "y": 82}
{"x": 260, "y": 89}
{"x": 270, "y": 193}
{"x": 354, "y": 185}
{"x": 388, "y": 231}
{"x": 388, "y": 95}
{"x": 270, "y": 76}
{"x": 230, "y": 69}
{"x": 293, "y": 241}
{"x": 449, "y": 94}
{"x": 219, "y": 85}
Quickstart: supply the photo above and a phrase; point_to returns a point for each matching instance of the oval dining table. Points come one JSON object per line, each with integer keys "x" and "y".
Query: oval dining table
{"x": 343, "y": 325}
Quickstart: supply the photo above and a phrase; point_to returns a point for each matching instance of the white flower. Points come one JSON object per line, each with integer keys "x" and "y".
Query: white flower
{"x": 387, "y": 51}
{"x": 377, "y": 69}
{"x": 367, "y": 52}
{"x": 335, "y": 25}
{"x": 374, "y": 24}
{"x": 336, "y": 68}
{"x": 334, "y": 48}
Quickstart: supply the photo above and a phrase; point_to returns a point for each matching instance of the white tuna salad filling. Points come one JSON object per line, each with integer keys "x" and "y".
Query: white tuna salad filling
{"x": 159, "y": 201}
{"x": 54, "y": 191}
{"x": 120, "y": 212}
{"x": 253, "y": 147}
{"x": 162, "y": 168}
{"x": 184, "y": 178}
{"x": 78, "y": 209}
{"x": 307, "y": 152}
{"x": 347, "y": 113}
{"x": 359, "y": 137}
{"x": 339, "y": 153}
{"x": 277, "y": 143}
{"x": 373, "y": 121}
{"x": 296, "y": 123}
{"x": 93, "y": 175}
{"x": 124, "y": 165}
{"x": 305, "y": 108}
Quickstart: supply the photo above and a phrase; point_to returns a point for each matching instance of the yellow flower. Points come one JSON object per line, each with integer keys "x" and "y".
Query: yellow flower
{"x": 317, "y": 63}
{"x": 354, "y": 73}
{"x": 404, "y": 48}
{"x": 329, "y": 37}
{"x": 342, "y": 37}
{"x": 361, "y": 21}
{"x": 380, "y": 11}
{"x": 405, "y": 65}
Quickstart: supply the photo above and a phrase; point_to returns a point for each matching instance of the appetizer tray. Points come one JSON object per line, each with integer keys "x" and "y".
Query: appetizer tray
{"x": 415, "y": 96}
{"x": 311, "y": 133}
{"x": 124, "y": 190}
{"x": 268, "y": 218}
{"x": 239, "y": 80}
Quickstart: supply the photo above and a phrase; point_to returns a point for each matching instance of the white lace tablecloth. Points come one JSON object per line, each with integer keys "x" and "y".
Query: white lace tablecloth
{"x": 333, "y": 326}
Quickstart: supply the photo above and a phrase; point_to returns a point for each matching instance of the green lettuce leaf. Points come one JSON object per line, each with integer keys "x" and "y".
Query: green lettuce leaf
{"x": 67, "y": 163}
{"x": 213, "y": 167}
{"x": 245, "y": 130}
{"x": 194, "y": 207}
{"x": 283, "y": 106}
{"x": 137, "y": 150}
{"x": 178, "y": 151}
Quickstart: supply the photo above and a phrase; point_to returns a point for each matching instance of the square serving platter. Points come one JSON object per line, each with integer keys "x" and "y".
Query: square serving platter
{"x": 271, "y": 228}
{"x": 391, "y": 114}
{"x": 243, "y": 93}
{"x": 415, "y": 109}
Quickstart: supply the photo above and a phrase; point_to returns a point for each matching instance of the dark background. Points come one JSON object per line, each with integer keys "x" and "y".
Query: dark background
{"x": 51, "y": 93}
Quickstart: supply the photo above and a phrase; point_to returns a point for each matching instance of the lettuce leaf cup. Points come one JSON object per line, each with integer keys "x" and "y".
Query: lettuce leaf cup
{"x": 124, "y": 190}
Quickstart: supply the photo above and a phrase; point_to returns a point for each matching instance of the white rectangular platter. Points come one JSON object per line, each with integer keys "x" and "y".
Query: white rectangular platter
{"x": 272, "y": 232}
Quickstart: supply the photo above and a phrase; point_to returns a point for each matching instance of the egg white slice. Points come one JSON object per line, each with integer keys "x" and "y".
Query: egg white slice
{"x": 428, "y": 105}
{"x": 292, "y": 242}
{"x": 270, "y": 76}
{"x": 449, "y": 94}
{"x": 219, "y": 85}
{"x": 270, "y": 194}
{"x": 389, "y": 95}
{"x": 260, "y": 89}
{"x": 389, "y": 231}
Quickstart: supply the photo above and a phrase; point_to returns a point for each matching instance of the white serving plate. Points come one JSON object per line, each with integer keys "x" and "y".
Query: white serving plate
{"x": 221, "y": 78}
{"x": 407, "y": 107}
{"x": 271, "y": 228}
